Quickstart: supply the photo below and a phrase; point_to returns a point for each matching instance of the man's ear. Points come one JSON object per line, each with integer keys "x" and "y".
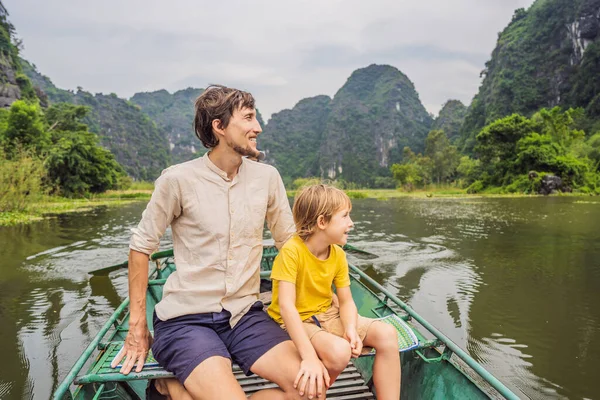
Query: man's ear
{"x": 321, "y": 224}
{"x": 216, "y": 127}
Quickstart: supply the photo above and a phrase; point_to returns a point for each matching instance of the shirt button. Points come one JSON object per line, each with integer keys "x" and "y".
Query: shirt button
{"x": 231, "y": 211}
{"x": 231, "y": 256}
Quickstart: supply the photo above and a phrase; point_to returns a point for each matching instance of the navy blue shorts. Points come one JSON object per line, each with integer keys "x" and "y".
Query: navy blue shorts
{"x": 182, "y": 343}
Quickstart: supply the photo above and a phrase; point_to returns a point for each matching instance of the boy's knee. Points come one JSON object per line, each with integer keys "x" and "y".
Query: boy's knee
{"x": 338, "y": 355}
{"x": 387, "y": 337}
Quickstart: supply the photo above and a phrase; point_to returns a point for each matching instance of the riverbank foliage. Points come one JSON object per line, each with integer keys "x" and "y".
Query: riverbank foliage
{"x": 511, "y": 155}
{"x": 51, "y": 152}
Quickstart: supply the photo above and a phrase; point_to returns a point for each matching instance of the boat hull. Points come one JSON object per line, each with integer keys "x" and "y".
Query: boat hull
{"x": 428, "y": 372}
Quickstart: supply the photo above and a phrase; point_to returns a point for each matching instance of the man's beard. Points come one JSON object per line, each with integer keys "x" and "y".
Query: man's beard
{"x": 245, "y": 151}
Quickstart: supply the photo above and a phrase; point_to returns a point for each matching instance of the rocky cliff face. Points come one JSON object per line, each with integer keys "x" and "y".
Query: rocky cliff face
{"x": 355, "y": 136}
{"x": 536, "y": 63}
{"x": 584, "y": 30}
{"x": 9, "y": 89}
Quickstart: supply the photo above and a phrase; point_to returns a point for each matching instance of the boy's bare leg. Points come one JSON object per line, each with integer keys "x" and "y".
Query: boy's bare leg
{"x": 213, "y": 379}
{"x": 333, "y": 351}
{"x": 279, "y": 365}
{"x": 386, "y": 368}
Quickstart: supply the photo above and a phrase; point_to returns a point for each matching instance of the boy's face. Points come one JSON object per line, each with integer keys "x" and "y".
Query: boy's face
{"x": 338, "y": 227}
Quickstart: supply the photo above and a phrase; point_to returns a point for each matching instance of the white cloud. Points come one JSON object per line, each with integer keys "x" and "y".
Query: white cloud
{"x": 281, "y": 50}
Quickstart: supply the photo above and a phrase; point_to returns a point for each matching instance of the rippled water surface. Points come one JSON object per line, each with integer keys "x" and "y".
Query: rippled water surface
{"x": 515, "y": 282}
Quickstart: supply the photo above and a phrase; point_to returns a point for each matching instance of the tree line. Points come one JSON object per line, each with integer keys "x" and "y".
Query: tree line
{"x": 511, "y": 155}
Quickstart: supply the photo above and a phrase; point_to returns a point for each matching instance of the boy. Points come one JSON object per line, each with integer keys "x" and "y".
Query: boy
{"x": 303, "y": 273}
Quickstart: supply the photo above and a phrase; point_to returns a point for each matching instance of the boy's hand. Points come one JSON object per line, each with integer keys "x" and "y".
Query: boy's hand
{"x": 311, "y": 378}
{"x": 355, "y": 343}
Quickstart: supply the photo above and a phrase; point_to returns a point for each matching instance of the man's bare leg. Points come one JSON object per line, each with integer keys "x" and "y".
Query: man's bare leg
{"x": 280, "y": 365}
{"x": 213, "y": 379}
{"x": 172, "y": 389}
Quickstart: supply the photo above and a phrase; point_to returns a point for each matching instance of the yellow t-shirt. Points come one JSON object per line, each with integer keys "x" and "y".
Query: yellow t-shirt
{"x": 313, "y": 277}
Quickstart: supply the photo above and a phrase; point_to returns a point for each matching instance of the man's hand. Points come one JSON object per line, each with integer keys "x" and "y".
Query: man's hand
{"x": 311, "y": 377}
{"x": 355, "y": 343}
{"x": 134, "y": 350}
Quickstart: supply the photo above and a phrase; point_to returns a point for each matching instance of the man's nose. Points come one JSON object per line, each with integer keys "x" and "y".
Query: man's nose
{"x": 257, "y": 127}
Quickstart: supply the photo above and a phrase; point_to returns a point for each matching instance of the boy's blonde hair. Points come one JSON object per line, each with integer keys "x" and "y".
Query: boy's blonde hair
{"x": 313, "y": 201}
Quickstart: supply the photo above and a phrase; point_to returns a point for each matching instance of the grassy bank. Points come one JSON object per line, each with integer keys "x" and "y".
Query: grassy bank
{"x": 432, "y": 192}
{"x": 49, "y": 206}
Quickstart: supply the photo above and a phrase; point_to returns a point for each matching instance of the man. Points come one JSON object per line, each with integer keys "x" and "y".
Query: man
{"x": 209, "y": 314}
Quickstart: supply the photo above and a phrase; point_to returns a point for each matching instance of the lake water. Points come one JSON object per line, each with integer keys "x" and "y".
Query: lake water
{"x": 514, "y": 282}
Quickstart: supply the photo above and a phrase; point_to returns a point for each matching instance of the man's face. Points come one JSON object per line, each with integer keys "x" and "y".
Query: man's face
{"x": 242, "y": 131}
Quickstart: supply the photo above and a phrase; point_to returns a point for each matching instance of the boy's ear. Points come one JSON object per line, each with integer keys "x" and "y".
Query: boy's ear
{"x": 321, "y": 224}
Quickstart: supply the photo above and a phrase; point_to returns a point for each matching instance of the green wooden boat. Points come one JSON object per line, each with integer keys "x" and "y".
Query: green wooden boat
{"x": 435, "y": 369}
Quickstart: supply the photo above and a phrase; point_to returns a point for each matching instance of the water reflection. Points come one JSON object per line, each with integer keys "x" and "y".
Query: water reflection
{"x": 512, "y": 281}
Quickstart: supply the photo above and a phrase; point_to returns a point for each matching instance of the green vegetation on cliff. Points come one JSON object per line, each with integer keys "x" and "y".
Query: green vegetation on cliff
{"x": 174, "y": 114}
{"x": 451, "y": 119}
{"x": 353, "y": 137}
{"x": 136, "y": 141}
{"x": 546, "y": 56}
{"x": 292, "y": 138}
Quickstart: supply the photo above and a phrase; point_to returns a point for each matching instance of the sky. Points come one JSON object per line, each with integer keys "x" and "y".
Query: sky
{"x": 281, "y": 51}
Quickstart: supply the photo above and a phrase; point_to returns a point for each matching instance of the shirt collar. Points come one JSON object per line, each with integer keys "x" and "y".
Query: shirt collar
{"x": 219, "y": 171}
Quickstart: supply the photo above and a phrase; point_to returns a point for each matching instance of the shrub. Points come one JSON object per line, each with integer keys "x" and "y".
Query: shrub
{"x": 301, "y": 182}
{"x": 20, "y": 180}
{"x": 384, "y": 182}
{"x": 475, "y": 187}
{"x": 356, "y": 195}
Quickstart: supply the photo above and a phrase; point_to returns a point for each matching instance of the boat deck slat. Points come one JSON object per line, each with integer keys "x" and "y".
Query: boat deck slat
{"x": 349, "y": 385}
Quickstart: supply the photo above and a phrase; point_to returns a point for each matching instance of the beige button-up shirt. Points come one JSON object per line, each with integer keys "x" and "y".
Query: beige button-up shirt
{"x": 217, "y": 226}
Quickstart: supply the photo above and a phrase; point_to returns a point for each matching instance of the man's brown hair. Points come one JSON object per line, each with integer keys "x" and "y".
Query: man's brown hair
{"x": 217, "y": 102}
{"x": 314, "y": 201}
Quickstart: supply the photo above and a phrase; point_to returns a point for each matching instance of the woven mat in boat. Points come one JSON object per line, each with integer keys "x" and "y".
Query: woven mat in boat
{"x": 407, "y": 340}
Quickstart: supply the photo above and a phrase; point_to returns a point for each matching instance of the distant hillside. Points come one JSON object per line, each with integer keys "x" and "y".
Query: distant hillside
{"x": 292, "y": 138}
{"x": 136, "y": 141}
{"x": 548, "y": 55}
{"x": 356, "y": 136}
{"x": 174, "y": 113}
{"x": 451, "y": 119}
